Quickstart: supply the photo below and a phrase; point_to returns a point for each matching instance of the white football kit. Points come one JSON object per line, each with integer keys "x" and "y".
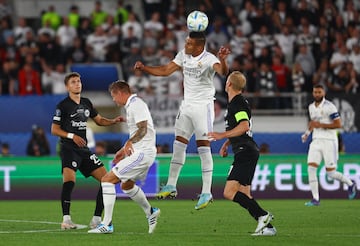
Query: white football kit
{"x": 324, "y": 144}
{"x": 136, "y": 166}
{"x": 196, "y": 113}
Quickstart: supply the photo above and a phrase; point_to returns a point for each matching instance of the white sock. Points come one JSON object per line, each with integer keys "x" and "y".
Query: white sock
{"x": 138, "y": 196}
{"x": 109, "y": 198}
{"x": 66, "y": 217}
{"x": 206, "y": 168}
{"x": 177, "y": 162}
{"x": 339, "y": 176}
{"x": 313, "y": 182}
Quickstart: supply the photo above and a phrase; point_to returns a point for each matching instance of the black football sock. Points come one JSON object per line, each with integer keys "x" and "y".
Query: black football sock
{"x": 249, "y": 204}
{"x": 66, "y": 196}
{"x": 99, "y": 203}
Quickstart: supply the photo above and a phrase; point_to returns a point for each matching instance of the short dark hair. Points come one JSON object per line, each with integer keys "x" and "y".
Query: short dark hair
{"x": 119, "y": 85}
{"x": 69, "y": 76}
{"x": 200, "y": 37}
{"x": 320, "y": 86}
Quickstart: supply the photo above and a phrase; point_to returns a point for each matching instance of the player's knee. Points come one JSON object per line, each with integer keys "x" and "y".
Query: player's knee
{"x": 128, "y": 185}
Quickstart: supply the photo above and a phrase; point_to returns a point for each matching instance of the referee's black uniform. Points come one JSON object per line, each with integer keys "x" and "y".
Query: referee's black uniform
{"x": 244, "y": 147}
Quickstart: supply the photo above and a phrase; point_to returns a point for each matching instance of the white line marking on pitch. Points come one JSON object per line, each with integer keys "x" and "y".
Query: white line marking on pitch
{"x": 36, "y": 222}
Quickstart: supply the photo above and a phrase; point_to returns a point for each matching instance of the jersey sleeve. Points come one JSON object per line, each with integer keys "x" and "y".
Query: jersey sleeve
{"x": 93, "y": 111}
{"x": 57, "y": 115}
{"x": 213, "y": 60}
{"x": 179, "y": 58}
{"x": 140, "y": 112}
{"x": 333, "y": 112}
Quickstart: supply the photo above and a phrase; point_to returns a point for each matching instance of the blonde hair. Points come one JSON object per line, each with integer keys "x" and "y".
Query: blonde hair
{"x": 237, "y": 80}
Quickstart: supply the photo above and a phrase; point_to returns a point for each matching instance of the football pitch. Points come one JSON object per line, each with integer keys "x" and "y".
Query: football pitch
{"x": 334, "y": 222}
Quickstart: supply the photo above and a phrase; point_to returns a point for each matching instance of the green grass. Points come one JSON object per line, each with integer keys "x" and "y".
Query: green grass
{"x": 335, "y": 222}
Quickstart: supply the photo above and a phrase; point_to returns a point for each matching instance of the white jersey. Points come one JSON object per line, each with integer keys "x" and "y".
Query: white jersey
{"x": 325, "y": 113}
{"x": 198, "y": 76}
{"x": 137, "y": 111}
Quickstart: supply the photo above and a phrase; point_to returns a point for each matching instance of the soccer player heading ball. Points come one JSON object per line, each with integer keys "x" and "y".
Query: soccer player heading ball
{"x": 196, "y": 113}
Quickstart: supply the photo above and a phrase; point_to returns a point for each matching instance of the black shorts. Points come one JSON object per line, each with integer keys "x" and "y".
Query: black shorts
{"x": 79, "y": 159}
{"x": 244, "y": 165}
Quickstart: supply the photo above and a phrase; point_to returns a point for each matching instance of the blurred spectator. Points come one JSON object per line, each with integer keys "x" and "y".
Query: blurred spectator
{"x": 217, "y": 36}
{"x": 47, "y": 29}
{"x": 355, "y": 57}
{"x": 298, "y": 83}
{"x": 38, "y": 144}
{"x": 265, "y": 56}
{"x": 266, "y": 87}
{"x": 282, "y": 73}
{"x": 353, "y": 86}
{"x": 84, "y": 30}
{"x": 29, "y": 47}
{"x": 321, "y": 49}
{"x": 308, "y": 66}
{"x": 49, "y": 50}
{"x": 66, "y": 35}
{"x": 8, "y": 78}
{"x": 140, "y": 83}
{"x": 77, "y": 54}
{"x": 122, "y": 13}
{"x": 338, "y": 82}
{"x": 322, "y": 75}
{"x": 52, "y": 17}
{"x": 29, "y": 81}
{"x": 135, "y": 24}
{"x": 100, "y": 148}
{"x": 9, "y": 51}
{"x": 113, "y": 32}
{"x": 261, "y": 39}
{"x": 74, "y": 16}
{"x": 5, "y": 150}
{"x": 5, "y": 10}
{"x": 97, "y": 45}
{"x": 98, "y": 16}
{"x": 128, "y": 61}
{"x": 237, "y": 41}
{"x": 298, "y": 78}
{"x": 286, "y": 41}
{"x": 339, "y": 59}
{"x": 20, "y": 31}
{"x": 5, "y": 30}
{"x": 52, "y": 79}
{"x": 154, "y": 25}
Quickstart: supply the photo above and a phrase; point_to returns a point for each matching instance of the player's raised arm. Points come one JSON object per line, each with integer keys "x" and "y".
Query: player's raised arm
{"x": 222, "y": 68}
{"x": 163, "y": 70}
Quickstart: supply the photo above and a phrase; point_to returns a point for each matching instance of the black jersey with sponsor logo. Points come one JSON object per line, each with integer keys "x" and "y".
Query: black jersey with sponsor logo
{"x": 72, "y": 117}
{"x": 238, "y": 110}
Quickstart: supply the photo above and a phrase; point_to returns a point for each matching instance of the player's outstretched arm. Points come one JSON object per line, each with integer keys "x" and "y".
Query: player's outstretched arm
{"x": 102, "y": 121}
{"x": 163, "y": 70}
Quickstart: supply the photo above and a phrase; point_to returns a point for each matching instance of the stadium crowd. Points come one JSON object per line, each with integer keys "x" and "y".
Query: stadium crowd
{"x": 281, "y": 46}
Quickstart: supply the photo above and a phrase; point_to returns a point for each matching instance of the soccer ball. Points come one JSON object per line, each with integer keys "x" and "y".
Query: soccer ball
{"x": 197, "y": 21}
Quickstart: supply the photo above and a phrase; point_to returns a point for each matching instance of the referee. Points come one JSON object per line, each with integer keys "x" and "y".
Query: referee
{"x": 239, "y": 135}
{"x": 69, "y": 123}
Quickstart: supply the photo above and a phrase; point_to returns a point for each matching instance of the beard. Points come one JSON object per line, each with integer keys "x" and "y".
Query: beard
{"x": 318, "y": 99}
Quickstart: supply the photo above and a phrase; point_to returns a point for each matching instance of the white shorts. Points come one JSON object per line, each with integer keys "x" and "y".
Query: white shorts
{"x": 323, "y": 149}
{"x": 134, "y": 167}
{"x": 198, "y": 119}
